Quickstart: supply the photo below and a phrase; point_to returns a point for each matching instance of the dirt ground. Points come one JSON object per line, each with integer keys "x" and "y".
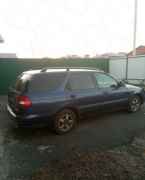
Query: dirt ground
{"x": 122, "y": 163}
{"x": 101, "y": 147}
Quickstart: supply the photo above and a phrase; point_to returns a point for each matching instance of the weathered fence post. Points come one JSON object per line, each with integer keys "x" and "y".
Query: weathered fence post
{"x": 126, "y": 67}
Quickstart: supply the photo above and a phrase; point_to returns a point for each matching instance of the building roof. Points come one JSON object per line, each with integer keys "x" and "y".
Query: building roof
{"x": 140, "y": 50}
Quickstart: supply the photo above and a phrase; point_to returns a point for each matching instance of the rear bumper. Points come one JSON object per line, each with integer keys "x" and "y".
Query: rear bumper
{"x": 29, "y": 120}
{"x": 10, "y": 112}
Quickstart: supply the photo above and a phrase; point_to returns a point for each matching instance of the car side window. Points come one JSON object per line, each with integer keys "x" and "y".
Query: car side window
{"x": 46, "y": 81}
{"x": 105, "y": 81}
{"x": 80, "y": 81}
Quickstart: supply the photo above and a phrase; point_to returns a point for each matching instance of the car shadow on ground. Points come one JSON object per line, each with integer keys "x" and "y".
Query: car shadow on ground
{"x": 86, "y": 122}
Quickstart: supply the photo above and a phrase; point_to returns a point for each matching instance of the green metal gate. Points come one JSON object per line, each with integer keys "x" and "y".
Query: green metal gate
{"x": 11, "y": 68}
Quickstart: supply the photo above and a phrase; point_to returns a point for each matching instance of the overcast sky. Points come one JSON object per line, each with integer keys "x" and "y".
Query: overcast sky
{"x": 53, "y": 28}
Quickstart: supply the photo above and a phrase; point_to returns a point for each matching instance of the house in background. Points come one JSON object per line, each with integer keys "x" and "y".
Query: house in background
{"x": 6, "y": 55}
{"x": 108, "y": 55}
{"x": 140, "y": 50}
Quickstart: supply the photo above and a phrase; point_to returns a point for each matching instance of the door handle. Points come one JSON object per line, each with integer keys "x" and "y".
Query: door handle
{"x": 106, "y": 92}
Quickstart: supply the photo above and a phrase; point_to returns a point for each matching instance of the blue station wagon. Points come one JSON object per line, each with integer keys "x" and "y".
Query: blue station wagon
{"x": 59, "y": 96}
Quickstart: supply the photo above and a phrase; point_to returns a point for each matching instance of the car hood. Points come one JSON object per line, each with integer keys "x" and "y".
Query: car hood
{"x": 133, "y": 88}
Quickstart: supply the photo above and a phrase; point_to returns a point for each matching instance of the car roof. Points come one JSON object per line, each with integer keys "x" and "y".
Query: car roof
{"x": 63, "y": 69}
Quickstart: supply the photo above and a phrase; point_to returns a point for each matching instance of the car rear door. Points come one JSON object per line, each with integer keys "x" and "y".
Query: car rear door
{"x": 81, "y": 91}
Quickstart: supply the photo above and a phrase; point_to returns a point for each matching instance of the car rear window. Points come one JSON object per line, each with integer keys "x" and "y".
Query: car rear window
{"x": 21, "y": 82}
{"x": 46, "y": 81}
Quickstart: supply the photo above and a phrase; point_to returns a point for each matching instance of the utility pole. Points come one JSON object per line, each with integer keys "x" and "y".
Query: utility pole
{"x": 1, "y": 39}
{"x": 135, "y": 26}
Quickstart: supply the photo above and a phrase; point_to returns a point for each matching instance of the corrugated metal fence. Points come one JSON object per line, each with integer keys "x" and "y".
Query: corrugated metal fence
{"x": 11, "y": 68}
{"x": 127, "y": 67}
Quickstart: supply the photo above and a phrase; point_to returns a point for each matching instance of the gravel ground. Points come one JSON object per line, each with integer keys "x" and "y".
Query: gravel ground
{"x": 122, "y": 163}
{"x": 85, "y": 153}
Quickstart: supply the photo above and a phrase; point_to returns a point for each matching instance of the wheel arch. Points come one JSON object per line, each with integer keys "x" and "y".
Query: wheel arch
{"x": 136, "y": 94}
{"x": 140, "y": 96}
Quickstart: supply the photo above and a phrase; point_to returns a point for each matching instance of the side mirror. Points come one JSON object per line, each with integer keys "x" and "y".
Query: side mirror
{"x": 120, "y": 83}
{"x": 114, "y": 86}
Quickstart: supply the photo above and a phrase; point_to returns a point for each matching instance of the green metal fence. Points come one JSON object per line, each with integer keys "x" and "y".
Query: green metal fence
{"x": 11, "y": 68}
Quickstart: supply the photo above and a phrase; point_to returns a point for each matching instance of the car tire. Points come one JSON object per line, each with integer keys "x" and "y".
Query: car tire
{"x": 64, "y": 121}
{"x": 134, "y": 104}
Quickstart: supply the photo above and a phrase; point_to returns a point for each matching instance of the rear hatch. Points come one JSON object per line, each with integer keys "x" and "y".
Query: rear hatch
{"x": 33, "y": 91}
{"x": 18, "y": 89}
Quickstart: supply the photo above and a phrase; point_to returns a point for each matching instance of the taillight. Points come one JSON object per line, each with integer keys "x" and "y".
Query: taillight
{"x": 24, "y": 102}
